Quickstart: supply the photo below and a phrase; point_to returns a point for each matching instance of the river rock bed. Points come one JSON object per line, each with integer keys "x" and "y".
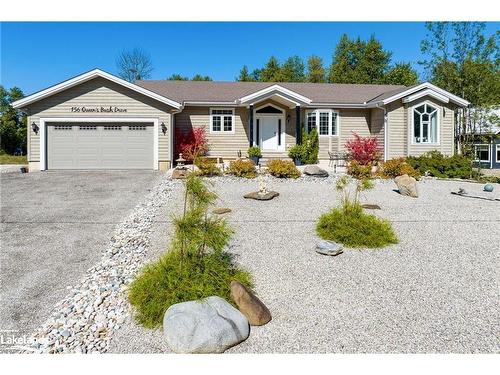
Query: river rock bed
{"x": 97, "y": 306}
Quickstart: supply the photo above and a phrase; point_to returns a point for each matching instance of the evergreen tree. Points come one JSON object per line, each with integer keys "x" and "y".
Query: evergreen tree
{"x": 199, "y": 77}
{"x": 244, "y": 75}
{"x": 271, "y": 71}
{"x": 13, "y": 122}
{"x": 293, "y": 70}
{"x": 177, "y": 77}
{"x": 315, "y": 70}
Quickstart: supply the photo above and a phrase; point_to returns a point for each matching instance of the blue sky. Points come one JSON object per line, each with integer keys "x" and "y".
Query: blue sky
{"x": 37, "y": 55}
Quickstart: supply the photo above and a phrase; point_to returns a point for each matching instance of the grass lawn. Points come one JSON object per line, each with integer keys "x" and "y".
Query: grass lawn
{"x": 11, "y": 159}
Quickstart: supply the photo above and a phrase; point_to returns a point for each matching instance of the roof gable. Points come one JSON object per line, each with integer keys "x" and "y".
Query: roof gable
{"x": 87, "y": 77}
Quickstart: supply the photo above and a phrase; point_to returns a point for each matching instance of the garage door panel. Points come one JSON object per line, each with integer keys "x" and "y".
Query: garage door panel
{"x": 100, "y": 146}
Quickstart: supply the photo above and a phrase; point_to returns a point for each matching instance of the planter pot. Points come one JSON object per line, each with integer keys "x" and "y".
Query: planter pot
{"x": 255, "y": 159}
{"x": 297, "y": 161}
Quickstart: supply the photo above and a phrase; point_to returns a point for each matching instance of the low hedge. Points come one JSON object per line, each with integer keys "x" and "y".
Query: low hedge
{"x": 439, "y": 165}
{"x": 242, "y": 168}
{"x": 283, "y": 169}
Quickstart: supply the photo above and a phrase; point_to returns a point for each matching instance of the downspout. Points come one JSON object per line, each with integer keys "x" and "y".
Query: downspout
{"x": 172, "y": 133}
{"x": 386, "y": 145}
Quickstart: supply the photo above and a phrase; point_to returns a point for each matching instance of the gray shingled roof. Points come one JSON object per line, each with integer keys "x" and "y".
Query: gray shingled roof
{"x": 210, "y": 91}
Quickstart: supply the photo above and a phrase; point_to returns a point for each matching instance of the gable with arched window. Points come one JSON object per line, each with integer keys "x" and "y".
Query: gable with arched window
{"x": 425, "y": 124}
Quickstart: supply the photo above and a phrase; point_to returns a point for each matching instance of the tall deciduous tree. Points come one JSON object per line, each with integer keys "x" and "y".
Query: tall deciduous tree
{"x": 315, "y": 71}
{"x": 271, "y": 71}
{"x": 462, "y": 60}
{"x": 13, "y": 123}
{"x": 293, "y": 70}
{"x": 358, "y": 61}
{"x": 134, "y": 65}
{"x": 401, "y": 74}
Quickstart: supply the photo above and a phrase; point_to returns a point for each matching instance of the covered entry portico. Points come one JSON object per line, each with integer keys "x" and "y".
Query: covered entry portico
{"x": 274, "y": 118}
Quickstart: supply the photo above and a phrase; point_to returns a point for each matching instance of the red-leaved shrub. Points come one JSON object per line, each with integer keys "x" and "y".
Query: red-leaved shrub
{"x": 191, "y": 144}
{"x": 363, "y": 149}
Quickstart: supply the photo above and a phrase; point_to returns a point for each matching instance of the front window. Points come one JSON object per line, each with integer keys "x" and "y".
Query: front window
{"x": 221, "y": 120}
{"x": 425, "y": 124}
{"x": 311, "y": 121}
{"x": 482, "y": 153}
{"x": 324, "y": 120}
{"x": 498, "y": 153}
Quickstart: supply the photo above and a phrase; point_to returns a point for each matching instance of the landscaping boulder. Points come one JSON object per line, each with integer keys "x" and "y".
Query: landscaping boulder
{"x": 262, "y": 197}
{"x": 180, "y": 173}
{"x": 255, "y": 311}
{"x": 407, "y": 185}
{"x": 210, "y": 325}
{"x": 331, "y": 248}
{"x": 221, "y": 210}
{"x": 314, "y": 170}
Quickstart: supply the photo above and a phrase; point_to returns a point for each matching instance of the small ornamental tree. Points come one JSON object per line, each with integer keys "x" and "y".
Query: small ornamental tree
{"x": 364, "y": 150}
{"x": 191, "y": 144}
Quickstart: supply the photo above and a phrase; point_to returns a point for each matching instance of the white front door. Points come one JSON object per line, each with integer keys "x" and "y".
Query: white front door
{"x": 271, "y": 132}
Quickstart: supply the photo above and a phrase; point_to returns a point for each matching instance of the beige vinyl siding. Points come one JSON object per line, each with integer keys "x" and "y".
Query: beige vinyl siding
{"x": 96, "y": 93}
{"x": 377, "y": 128}
{"x": 446, "y": 128}
{"x": 397, "y": 130}
{"x": 225, "y": 145}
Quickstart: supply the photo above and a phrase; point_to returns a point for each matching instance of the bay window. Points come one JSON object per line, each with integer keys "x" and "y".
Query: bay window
{"x": 425, "y": 124}
{"x": 221, "y": 120}
{"x": 324, "y": 120}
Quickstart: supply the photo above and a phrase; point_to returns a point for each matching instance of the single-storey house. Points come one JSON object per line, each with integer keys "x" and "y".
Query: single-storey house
{"x": 487, "y": 151}
{"x": 99, "y": 121}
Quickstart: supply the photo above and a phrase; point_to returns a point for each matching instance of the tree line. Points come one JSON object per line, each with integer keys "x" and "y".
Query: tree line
{"x": 456, "y": 56}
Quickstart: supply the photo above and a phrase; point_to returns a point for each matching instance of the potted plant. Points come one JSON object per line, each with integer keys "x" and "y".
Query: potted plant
{"x": 254, "y": 154}
{"x": 296, "y": 153}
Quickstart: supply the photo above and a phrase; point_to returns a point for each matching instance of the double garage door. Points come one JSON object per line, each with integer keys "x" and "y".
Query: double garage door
{"x": 100, "y": 146}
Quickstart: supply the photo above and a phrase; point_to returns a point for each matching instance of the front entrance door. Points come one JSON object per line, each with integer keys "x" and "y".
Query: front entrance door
{"x": 269, "y": 133}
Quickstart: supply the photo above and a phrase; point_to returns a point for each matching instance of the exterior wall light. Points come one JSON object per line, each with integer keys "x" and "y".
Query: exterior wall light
{"x": 163, "y": 128}
{"x": 35, "y": 128}
{"x": 287, "y": 119}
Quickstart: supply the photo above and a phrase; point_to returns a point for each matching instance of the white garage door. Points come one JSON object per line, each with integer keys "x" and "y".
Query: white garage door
{"x": 99, "y": 146}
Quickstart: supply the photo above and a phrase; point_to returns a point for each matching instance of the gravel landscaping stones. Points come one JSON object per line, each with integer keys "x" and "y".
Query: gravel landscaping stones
{"x": 97, "y": 306}
{"x": 435, "y": 291}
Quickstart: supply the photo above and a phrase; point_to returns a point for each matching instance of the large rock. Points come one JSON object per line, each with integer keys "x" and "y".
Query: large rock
{"x": 210, "y": 325}
{"x": 255, "y": 311}
{"x": 407, "y": 185}
{"x": 314, "y": 170}
{"x": 326, "y": 247}
{"x": 262, "y": 197}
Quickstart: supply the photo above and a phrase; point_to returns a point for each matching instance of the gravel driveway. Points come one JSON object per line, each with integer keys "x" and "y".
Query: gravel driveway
{"x": 54, "y": 226}
{"x": 436, "y": 291}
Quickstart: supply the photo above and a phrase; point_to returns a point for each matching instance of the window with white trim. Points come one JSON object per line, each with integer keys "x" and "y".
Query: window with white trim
{"x": 482, "y": 152}
{"x": 425, "y": 124}
{"x": 221, "y": 120}
{"x": 324, "y": 120}
{"x": 498, "y": 153}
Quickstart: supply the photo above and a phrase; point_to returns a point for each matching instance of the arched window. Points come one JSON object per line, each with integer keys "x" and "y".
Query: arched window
{"x": 425, "y": 124}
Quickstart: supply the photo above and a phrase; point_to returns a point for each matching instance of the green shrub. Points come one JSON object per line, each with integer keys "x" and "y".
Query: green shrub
{"x": 283, "y": 169}
{"x": 310, "y": 141}
{"x": 242, "y": 168}
{"x": 359, "y": 171}
{"x": 196, "y": 265}
{"x": 297, "y": 152}
{"x": 175, "y": 278}
{"x": 352, "y": 227}
{"x": 397, "y": 167}
{"x": 439, "y": 165}
{"x": 207, "y": 167}
{"x": 254, "y": 151}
